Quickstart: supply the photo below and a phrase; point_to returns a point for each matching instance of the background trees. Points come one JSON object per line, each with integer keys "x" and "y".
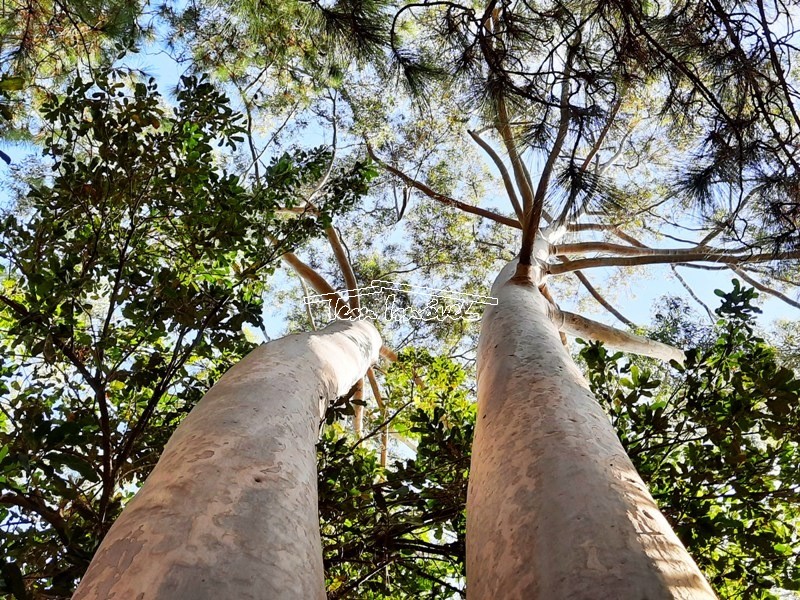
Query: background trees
{"x": 652, "y": 133}
{"x": 127, "y": 278}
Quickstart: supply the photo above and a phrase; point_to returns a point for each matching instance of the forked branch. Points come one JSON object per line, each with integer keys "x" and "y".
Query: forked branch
{"x": 322, "y": 287}
{"x": 509, "y": 185}
{"x": 601, "y": 300}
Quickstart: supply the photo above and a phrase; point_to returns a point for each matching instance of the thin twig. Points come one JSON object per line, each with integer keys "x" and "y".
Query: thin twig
{"x": 694, "y": 296}
{"x": 446, "y": 200}
{"x": 509, "y": 185}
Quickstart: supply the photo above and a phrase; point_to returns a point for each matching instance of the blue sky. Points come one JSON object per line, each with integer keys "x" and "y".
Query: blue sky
{"x": 636, "y": 302}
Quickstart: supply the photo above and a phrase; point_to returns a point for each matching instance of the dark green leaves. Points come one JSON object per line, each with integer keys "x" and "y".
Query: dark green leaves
{"x": 405, "y": 523}
{"x": 76, "y": 463}
{"x": 133, "y": 269}
{"x": 11, "y": 83}
{"x": 719, "y": 446}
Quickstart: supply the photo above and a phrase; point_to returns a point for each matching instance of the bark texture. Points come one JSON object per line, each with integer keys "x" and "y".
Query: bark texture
{"x": 230, "y": 510}
{"x": 620, "y": 340}
{"x": 555, "y": 508}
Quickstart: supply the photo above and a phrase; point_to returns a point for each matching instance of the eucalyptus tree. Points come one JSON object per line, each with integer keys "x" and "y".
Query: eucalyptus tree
{"x": 128, "y": 274}
{"x": 606, "y": 104}
{"x": 695, "y": 434}
{"x": 555, "y": 507}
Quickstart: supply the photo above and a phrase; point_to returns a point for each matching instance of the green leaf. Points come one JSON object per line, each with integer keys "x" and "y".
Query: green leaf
{"x": 12, "y": 84}
{"x": 76, "y": 463}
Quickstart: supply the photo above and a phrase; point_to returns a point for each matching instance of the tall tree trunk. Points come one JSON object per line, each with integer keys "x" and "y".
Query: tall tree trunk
{"x": 555, "y": 508}
{"x": 230, "y": 510}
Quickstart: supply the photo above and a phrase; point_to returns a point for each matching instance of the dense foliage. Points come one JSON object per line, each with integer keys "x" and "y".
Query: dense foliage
{"x": 127, "y": 277}
{"x": 719, "y": 446}
{"x": 398, "y": 532}
{"x": 137, "y": 261}
{"x": 716, "y": 440}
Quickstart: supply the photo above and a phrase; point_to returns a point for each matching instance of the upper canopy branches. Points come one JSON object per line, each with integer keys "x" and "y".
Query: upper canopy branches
{"x": 700, "y": 95}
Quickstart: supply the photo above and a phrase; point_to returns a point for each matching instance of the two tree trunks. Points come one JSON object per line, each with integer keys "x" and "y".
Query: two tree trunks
{"x": 230, "y": 510}
{"x": 555, "y": 508}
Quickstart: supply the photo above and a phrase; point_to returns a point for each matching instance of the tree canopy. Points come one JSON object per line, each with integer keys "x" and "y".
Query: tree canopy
{"x": 127, "y": 278}
{"x": 421, "y": 143}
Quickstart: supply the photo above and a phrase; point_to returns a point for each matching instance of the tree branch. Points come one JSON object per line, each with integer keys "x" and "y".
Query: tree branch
{"x": 561, "y": 136}
{"x": 382, "y": 425}
{"x": 22, "y": 311}
{"x": 621, "y": 340}
{"x": 764, "y": 288}
{"x": 684, "y": 257}
{"x": 446, "y": 200}
{"x": 376, "y": 393}
{"x": 36, "y": 505}
{"x": 358, "y": 408}
{"x": 309, "y": 314}
{"x": 613, "y": 229}
{"x": 523, "y": 183}
{"x": 509, "y": 185}
{"x": 344, "y": 265}
{"x": 694, "y": 296}
{"x": 322, "y": 287}
{"x": 317, "y": 283}
{"x": 601, "y": 300}
{"x": 638, "y": 250}
{"x": 562, "y": 218}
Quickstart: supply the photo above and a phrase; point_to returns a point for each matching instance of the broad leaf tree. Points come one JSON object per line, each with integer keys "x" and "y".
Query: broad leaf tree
{"x": 616, "y": 138}
{"x": 128, "y": 276}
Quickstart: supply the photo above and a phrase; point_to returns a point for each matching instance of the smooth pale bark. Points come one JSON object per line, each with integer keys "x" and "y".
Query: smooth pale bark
{"x": 230, "y": 510}
{"x": 620, "y": 340}
{"x": 672, "y": 257}
{"x": 555, "y": 508}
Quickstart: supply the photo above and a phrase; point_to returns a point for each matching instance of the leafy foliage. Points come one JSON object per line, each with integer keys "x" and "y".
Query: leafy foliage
{"x": 716, "y": 441}
{"x": 127, "y": 278}
{"x": 399, "y": 532}
{"x": 719, "y": 447}
{"x": 45, "y": 42}
{"x": 231, "y": 37}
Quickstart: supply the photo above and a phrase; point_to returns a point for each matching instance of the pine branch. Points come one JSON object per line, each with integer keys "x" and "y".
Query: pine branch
{"x": 446, "y": 200}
